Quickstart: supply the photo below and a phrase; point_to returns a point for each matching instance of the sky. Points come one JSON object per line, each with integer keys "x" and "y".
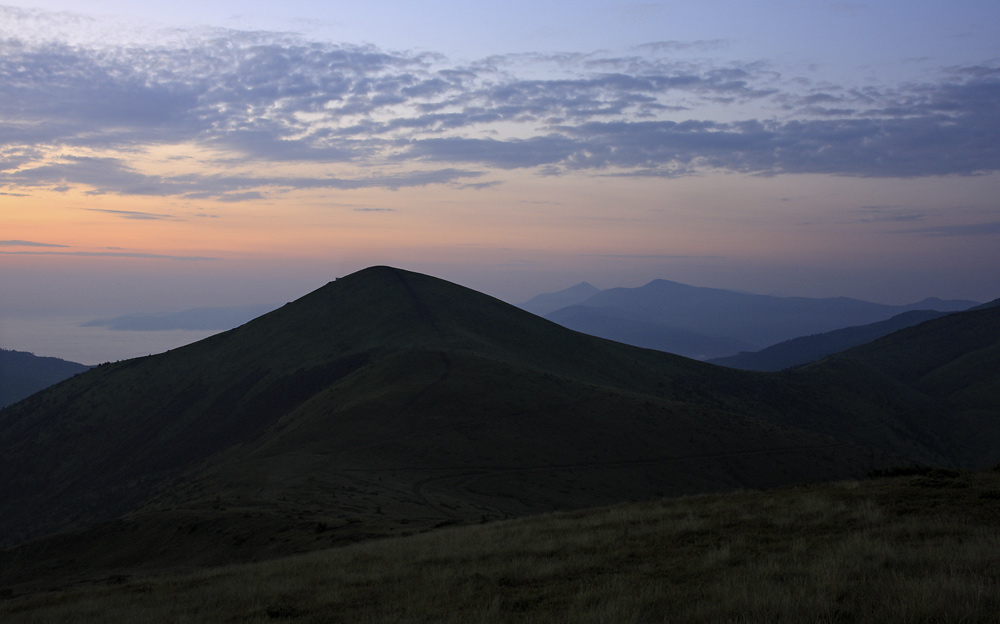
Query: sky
{"x": 160, "y": 156}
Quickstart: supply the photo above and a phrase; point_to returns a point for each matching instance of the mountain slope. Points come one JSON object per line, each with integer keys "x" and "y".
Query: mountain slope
{"x": 799, "y": 351}
{"x": 23, "y": 374}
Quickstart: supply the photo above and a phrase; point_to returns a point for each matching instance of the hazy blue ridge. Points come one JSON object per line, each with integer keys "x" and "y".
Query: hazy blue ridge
{"x": 757, "y": 321}
{"x": 23, "y": 374}
{"x": 550, "y": 302}
{"x": 805, "y": 349}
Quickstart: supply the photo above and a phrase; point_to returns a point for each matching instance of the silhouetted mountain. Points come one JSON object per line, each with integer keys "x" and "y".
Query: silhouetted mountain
{"x": 195, "y": 319}
{"x": 389, "y": 402}
{"x": 799, "y": 351}
{"x": 754, "y": 321}
{"x": 550, "y": 302}
{"x": 454, "y": 398}
{"x": 23, "y": 374}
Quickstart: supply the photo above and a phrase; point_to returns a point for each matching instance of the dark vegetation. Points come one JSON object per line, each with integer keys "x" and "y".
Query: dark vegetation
{"x": 389, "y": 403}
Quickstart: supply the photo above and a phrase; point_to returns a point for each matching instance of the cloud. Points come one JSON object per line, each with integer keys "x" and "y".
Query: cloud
{"x": 112, "y": 176}
{"x": 652, "y": 256}
{"x": 130, "y": 214}
{"x": 887, "y": 214}
{"x": 109, "y": 254}
{"x": 248, "y": 103}
{"x": 970, "y": 229}
{"x": 701, "y": 45}
{"x": 21, "y": 243}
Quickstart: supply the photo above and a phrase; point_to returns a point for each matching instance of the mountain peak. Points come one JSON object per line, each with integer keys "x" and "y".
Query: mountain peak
{"x": 550, "y": 302}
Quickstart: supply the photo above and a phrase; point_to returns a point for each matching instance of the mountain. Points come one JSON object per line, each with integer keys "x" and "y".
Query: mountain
{"x": 23, "y": 374}
{"x": 194, "y": 319}
{"x": 650, "y": 314}
{"x": 799, "y": 351}
{"x": 385, "y": 386}
{"x": 389, "y": 402}
{"x": 550, "y": 302}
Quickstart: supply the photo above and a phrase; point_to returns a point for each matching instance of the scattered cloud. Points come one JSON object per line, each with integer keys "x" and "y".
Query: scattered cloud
{"x": 374, "y": 210}
{"x": 701, "y": 45}
{"x": 887, "y": 214}
{"x": 74, "y": 116}
{"x": 652, "y": 256}
{"x": 131, "y": 214}
{"x": 22, "y": 243}
{"x": 969, "y": 229}
{"x": 109, "y": 254}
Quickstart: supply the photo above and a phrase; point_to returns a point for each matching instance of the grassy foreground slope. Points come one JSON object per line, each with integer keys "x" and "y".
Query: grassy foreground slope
{"x": 914, "y": 548}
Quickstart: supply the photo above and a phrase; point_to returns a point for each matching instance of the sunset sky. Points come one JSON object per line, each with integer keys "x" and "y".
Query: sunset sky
{"x": 156, "y": 156}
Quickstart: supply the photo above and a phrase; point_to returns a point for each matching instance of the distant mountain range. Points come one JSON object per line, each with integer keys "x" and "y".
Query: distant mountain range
{"x": 23, "y": 374}
{"x": 388, "y": 402}
{"x": 706, "y": 323}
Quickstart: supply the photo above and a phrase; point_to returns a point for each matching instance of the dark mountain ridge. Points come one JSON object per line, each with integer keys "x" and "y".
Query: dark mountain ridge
{"x": 806, "y": 349}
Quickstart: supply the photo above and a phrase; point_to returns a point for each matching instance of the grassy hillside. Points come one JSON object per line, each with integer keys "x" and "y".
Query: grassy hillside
{"x": 916, "y": 548}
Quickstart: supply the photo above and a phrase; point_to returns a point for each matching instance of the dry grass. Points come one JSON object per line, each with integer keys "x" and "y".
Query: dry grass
{"x": 906, "y": 549}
